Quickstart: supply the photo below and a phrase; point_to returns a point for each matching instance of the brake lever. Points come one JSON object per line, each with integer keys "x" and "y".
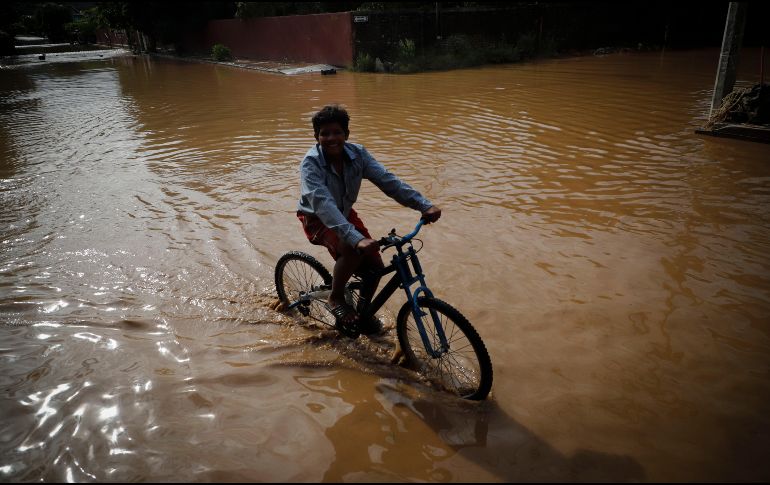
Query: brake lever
{"x": 388, "y": 241}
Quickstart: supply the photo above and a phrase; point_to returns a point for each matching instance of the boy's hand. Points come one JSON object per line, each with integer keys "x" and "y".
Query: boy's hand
{"x": 431, "y": 215}
{"x": 365, "y": 245}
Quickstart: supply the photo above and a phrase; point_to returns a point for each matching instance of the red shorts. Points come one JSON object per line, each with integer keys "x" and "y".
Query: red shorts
{"x": 321, "y": 235}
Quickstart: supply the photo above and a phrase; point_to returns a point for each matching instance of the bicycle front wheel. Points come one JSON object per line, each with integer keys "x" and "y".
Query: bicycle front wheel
{"x": 298, "y": 274}
{"x": 465, "y": 368}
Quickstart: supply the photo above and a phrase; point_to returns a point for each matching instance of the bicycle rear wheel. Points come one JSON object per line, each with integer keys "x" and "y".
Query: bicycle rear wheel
{"x": 465, "y": 369}
{"x": 297, "y": 274}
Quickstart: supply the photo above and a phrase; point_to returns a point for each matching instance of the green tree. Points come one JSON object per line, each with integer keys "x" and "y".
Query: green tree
{"x": 9, "y": 20}
{"x": 83, "y": 29}
{"x": 51, "y": 19}
{"x": 164, "y": 22}
{"x": 245, "y": 10}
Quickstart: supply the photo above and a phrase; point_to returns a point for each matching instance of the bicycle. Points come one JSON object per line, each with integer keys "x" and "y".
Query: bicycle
{"x": 445, "y": 347}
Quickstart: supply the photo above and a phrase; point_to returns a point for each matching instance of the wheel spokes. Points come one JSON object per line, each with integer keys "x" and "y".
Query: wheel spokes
{"x": 457, "y": 369}
{"x": 299, "y": 278}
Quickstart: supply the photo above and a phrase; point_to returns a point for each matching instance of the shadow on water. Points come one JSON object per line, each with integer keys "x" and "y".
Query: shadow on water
{"x": 413, "y": 435}
{"x": 406, "y": 430}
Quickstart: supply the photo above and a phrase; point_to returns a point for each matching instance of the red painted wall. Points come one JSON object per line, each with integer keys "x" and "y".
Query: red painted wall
{"x": 323, "y": 38}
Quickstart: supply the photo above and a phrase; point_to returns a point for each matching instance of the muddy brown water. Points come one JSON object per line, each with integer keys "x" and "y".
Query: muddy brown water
{"x": 616, "y": 264}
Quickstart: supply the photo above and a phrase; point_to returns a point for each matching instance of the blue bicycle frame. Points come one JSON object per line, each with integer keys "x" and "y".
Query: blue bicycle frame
{"x": 404, "y": 278}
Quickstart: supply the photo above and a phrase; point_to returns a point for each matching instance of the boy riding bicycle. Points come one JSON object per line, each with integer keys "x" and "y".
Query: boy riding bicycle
{"x": 330, "y": 179}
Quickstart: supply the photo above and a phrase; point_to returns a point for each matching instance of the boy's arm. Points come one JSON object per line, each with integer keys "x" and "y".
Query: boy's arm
{"x": 314, "y": 191}
{"x": 392, "y": 186}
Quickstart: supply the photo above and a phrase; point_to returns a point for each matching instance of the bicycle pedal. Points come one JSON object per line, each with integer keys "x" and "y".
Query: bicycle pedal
{"x": 350, "y": 331}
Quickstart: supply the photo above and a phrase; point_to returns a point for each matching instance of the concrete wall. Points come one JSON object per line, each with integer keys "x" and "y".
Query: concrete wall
{"x": 322, "y": 38}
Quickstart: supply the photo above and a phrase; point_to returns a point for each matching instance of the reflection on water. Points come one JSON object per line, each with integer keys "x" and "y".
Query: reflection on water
{"x": 615, "y": 264}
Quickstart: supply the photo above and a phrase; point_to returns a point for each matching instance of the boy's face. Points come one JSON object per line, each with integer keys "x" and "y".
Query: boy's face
{"x": 332, "y": 138}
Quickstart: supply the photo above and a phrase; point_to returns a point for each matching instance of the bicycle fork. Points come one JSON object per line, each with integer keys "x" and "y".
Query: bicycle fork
{"x": 407, "y": 280}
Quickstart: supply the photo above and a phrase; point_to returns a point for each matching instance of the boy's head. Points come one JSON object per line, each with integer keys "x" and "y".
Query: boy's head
{"x": 331, "y": 114}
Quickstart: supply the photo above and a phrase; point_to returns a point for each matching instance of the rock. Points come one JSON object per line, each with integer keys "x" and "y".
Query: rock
{"x": 378, "y": 65}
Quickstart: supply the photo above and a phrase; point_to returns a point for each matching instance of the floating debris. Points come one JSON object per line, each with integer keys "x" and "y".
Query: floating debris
{"x": 744, "y": 105}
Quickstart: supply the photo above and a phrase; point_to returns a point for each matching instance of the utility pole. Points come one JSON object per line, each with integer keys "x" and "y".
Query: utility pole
{"x": 438, "y": 31}
{"x": 728, "y": 58}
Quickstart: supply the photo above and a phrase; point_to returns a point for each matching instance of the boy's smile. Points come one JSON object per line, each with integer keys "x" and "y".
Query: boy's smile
{"x": 332, "y": 138}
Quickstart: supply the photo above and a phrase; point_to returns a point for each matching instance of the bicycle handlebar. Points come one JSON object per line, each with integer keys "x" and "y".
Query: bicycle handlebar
{"x": 393, "y": 240}
{"x": 417, "y": 228}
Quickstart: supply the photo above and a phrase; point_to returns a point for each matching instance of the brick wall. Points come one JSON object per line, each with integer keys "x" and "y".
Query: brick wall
{"x": 322, "y": 38}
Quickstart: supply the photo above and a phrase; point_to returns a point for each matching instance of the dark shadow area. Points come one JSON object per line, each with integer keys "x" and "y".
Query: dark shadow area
{"x": 399, "y": 448}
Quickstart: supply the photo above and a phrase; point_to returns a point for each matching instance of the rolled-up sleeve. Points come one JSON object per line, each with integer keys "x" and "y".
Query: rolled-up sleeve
{"x": 391, "y": 185}
{"x": 315, "y": 195}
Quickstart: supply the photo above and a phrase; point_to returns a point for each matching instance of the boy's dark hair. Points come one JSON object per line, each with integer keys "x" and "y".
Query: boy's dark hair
{"x": 331, "y": 114}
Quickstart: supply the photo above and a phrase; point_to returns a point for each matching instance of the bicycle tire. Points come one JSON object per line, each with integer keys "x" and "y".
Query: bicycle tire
{"x": 297, "y": 272}
{"x": 466, "y": 369}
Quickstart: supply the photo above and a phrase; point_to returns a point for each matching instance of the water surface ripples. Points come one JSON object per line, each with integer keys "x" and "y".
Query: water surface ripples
{"x": 614, "y": 262}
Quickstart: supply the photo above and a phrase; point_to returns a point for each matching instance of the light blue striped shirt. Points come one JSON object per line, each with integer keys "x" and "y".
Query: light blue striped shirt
{"x": 323, "y": 194}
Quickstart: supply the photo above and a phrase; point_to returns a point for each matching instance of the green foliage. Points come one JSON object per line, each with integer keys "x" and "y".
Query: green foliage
{"x": 459, "y": 45}
{"x": 220, "y": 52}
{"x": 406, "y": 51}
{"x": 51, "y": 19}
{"x": 383, "y": 6}
{"x": 460, "y": 50}
{"x": 245, "y": 10}
{"x": 527, "y": 45}
{"x": 115, "y": 15}
{"x": 408, "y": 67}
{"x": 10, "y": 16}
{"x": 372, "y": 6}
{"x": 406, "y": 57}
{"x": 83, "y": 30}
{"x": 502, "y": 53}
{"x": 548, "y": 46}
{"x": 364, "y": 63}
{"x": 166, "y": 22}
{"x": 7, "y": 44}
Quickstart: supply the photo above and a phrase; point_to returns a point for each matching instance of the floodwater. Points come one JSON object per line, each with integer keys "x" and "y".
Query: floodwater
{"x": 616, "y": 265}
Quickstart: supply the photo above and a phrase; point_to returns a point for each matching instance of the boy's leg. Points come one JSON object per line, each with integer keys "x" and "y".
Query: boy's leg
{"x": 366, "y": 266}
{"x": 370, "y": 273}
{"x": 348, "y": 261}
{"x": 370, "y": 264}
{"x": 321, "y": 235}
